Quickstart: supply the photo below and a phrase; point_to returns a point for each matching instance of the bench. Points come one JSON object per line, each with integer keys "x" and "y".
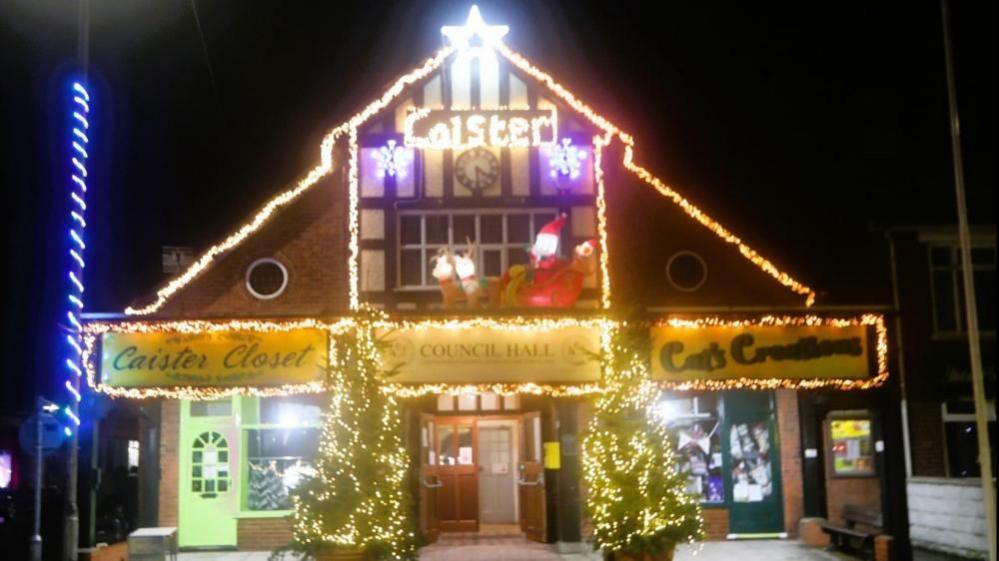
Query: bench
{"x": 849, "y": 536}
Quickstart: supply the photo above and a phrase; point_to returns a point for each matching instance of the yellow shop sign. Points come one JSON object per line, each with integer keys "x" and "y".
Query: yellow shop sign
{"x": 757, "y": 352}
{"x": 483, "y": 354}
{"x": 215, "y": 358}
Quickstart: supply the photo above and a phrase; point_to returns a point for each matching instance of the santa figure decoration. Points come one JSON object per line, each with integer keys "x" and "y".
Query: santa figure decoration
{"x": 544, "y": 252}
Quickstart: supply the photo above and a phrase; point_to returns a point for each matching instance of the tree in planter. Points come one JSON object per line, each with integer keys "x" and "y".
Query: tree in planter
{"x": 357, "y": 504}
{"x": 636, "y": 497}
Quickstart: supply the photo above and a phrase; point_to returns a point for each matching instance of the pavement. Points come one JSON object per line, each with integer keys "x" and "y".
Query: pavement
{"x": 756, "y": 550}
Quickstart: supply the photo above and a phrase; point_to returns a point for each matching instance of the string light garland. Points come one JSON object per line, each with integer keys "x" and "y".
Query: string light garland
{"x": 79, "y": 143}
{"x": 432, "y": 64}
{"x": 92, "y": 332}
{"x": 599, "y": 142}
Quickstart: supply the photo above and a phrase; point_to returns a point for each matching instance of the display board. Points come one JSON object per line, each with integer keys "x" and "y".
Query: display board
{"x": 755, "y": 352}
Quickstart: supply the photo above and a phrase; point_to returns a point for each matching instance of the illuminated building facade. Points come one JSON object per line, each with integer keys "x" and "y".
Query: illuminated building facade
{"x": 504, "y": 227}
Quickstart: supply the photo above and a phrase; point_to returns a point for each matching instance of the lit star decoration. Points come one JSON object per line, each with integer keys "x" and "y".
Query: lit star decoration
{"x": 392, "y": 160}
{"x": 565, "y": 160}
{"x": 79, "y": 143}
{"x": 463, "y": 37}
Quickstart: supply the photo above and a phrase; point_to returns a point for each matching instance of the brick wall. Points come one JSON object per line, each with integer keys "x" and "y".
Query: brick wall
{"x": 716, "y": 523}
{"x": 788, "y": 427}
{"x": 926, "y": 428}
{"x": 309, "y": 237}
{"x": 262, "y": 534}
{"x": 169, "y": 461}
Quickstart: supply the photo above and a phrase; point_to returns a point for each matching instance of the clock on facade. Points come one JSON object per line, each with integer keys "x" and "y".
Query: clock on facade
{"x": 477, "y": 169}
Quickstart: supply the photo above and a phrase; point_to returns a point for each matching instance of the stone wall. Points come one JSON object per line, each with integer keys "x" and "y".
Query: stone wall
{"x": 947, "y": 515}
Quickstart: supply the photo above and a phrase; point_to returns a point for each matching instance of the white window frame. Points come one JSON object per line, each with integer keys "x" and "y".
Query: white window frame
{"x": 955, "y": 283}
{"x": 430, "y": 249}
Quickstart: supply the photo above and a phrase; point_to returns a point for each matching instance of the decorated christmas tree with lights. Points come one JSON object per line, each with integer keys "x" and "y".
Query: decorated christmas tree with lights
{"x": 357, "y": 501}
{"x": 637, "y": 498}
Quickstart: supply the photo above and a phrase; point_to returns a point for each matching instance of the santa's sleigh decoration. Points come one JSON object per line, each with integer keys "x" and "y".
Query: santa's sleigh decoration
{"x": 548, "y": 281}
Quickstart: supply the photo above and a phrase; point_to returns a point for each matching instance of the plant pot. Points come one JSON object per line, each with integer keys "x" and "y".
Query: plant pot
{"x": 666, "y": 555}
{"x": 339, "y": 555}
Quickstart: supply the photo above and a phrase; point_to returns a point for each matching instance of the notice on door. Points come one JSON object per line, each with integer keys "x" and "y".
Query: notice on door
{"x": 214, "y": 358}
{"x": 759, "y": 352}
{"x": 476, "y": 355}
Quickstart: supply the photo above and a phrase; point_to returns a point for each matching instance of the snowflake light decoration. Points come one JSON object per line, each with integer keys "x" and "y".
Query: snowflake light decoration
{"x": 392, "y": 160}
{"x": 565, "y": 160}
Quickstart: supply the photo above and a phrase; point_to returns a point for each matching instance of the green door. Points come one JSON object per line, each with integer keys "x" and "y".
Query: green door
{"x": 208, "y": 478}
{"x": 753, "y": 465}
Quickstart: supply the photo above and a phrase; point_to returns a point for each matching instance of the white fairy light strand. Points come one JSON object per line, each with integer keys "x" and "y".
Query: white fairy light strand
{"x": 391, "y": 94}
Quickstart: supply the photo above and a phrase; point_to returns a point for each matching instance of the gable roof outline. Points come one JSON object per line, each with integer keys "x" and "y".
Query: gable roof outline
{"x": 349, "y": 129}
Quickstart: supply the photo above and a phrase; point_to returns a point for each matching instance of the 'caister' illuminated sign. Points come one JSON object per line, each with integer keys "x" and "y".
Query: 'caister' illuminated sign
{"x": 450, "y": 128}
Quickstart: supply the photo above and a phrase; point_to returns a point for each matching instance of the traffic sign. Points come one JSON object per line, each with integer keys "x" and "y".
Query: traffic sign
{"x": 52, "y": 434}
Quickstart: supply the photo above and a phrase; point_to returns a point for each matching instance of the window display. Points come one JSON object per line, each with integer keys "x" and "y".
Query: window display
{"x": 278, "y": 460}
{"x": 701, "y": 459}
{"x": 852, "y": 451}
{"x": 695, "y": 422}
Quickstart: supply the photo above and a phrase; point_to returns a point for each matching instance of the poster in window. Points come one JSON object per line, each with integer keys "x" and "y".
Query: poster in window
{"x": 752, "y": 469}
{"x": 852, "y": 453}
{"x": 699, "y": 447}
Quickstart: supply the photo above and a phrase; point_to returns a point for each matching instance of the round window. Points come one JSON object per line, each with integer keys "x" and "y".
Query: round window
{"x": 686, "y": 271}
{"x": 266, "y": 278}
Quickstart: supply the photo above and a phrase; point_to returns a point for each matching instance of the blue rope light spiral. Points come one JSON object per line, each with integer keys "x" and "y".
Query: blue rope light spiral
{"x": 78, "y": 155}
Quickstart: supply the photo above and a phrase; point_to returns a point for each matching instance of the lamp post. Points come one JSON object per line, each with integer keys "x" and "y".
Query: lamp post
{"x": 971, "y": 306}
{"x": 43, "y": 407}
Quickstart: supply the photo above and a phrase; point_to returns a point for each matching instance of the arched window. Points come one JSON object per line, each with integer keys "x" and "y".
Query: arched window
{"x": 210, "y": 465}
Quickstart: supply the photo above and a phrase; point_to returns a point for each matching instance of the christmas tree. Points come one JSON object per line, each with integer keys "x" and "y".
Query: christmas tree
{"x": 357, "y": 501}
{"x": 637, "y": 498}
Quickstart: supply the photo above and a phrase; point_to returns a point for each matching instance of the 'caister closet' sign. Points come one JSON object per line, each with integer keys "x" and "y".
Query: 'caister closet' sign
{"x": 219, "y": 358}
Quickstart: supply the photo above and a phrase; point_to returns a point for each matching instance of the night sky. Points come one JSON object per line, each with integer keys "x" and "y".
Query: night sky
{"x": 803, "y": 129}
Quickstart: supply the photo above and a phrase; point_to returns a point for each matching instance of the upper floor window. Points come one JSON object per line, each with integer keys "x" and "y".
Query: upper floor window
{"x": 948, "y": 288}
{"x": 502, "y": 238}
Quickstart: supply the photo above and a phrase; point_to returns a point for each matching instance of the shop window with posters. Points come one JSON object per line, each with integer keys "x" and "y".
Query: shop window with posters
{"x": 752, "y": 468}
{"x": 696, "y": 423}
{"x": 851, "y": 445}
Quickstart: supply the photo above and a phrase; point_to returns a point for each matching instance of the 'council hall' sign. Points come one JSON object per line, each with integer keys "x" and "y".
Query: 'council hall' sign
{"x": 477, "y": 355}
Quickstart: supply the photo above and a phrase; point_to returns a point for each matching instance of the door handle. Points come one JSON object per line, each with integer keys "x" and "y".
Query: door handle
{"x": 440, "y": 483}
{"x": 526, "y": 483}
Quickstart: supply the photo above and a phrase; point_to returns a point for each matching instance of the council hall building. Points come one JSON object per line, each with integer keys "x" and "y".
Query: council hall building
{"x": 502, "y": 225}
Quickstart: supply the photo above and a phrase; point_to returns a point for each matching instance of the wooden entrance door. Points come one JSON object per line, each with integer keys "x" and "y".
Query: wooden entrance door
{"x": 458, "y": 472}
{"x": 430, "y": 481}
{"x": 531, "y": 479}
